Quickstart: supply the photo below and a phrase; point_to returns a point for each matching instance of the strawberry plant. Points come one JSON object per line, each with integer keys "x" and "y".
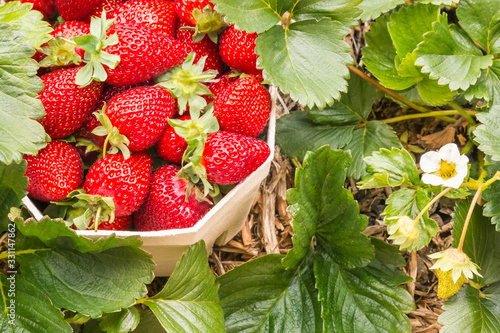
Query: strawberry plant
{"x": 91, "y": 122}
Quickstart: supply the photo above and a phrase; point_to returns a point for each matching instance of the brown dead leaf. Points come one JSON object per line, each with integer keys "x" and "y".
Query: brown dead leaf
{"x": 438, "y": 139}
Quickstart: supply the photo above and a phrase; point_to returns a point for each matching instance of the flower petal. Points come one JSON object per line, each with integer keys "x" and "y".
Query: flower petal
{"x": 432, "y": 179}
{"x": 454, "y": 182}
{"x": 450, "y": 152}
{"x": 429, "y": 162}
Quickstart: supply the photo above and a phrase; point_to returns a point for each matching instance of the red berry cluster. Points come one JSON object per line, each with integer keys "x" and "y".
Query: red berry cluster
{"x": 117, "y": 111}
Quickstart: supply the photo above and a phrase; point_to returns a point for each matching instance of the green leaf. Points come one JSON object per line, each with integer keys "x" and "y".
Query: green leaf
{"x": 27, "y": 310}
{"x": 379, "y": 57}
{"x": 410, "y": 202}
{"x": 434, "y": 93}
{"x": 29, "y": 22}
{"x": 13, "y": 185}
{"x": 492, "y": 207}
{"x": 365, "y": 299}
{"x": 322, "y": 207}
{"x": 372, "y": 137}
{"x": 344, "y": 11}
{"x": 19, "y": 133}
{"x": 148, "y": 323}
{"x": 471, "y": 311}
{"x": 487, "y": 133}
{"x": 448, "y": 54}
{"x": 123, "y": 321}
{"x": 482, "y": 243}
{"x": 481, "y": 20}
{"x": 111, "y": 274}
{"x": 487, "y": 86}
{"x": 394, "y": 167}
{"x": 408, "y": 25}
{"x": 307, "y": 61}
{"x": 297, "y": 134}
{"x": 189, "y": 301}
{"x": 262, "y": 296}
{"x": 353, "y": 106}
{"x": 374, "y": 8}
{"x": 252, "y": 15}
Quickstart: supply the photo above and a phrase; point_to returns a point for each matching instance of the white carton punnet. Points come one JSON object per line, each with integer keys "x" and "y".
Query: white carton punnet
{"x": 217, "y": 227}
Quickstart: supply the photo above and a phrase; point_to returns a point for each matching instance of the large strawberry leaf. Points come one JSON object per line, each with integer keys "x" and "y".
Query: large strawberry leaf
{"x": 123, "y": 321}
{"x": 487, "y": 133}
{"x": 322, "y": 207}
{"x": 410, "y": 202}
{"x": 189, "y": 301}
{"x": 449, "y": 55}
{"x": 374, "y": 8}
{"x": 488, "y": 85}
{"x": 472, "y": 310}
{"x": 344, "y": 11}
{"x": 105, "y": 277}
{"x": 26, "y": 310}
{"x": 374, "y": 136}
{"x": 492, "y": 207}
{"x": 19, "y": 88}
{"x": 481, "y": 20}
{"x": 263, "y": 296}
{"x": 13, "y": 185}
{"x": 29, "y": 22}
{"x": 482, "y": 243}
{"x": 365, "y": 299}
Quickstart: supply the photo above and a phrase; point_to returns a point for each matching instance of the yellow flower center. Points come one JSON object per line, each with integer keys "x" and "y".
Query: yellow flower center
{"x": 447, "y": 169}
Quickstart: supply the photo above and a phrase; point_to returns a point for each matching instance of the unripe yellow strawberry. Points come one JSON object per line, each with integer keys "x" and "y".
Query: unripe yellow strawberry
{"x": 446, "y": 286}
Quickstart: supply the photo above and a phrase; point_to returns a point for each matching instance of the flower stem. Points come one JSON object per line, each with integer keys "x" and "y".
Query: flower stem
{"x": 482, "y": 187}
{"x": 395, "y": 95}
{"x": 422, "y": 212}
{"x": 427, "y": 114}
{"x": 463, "y": 112}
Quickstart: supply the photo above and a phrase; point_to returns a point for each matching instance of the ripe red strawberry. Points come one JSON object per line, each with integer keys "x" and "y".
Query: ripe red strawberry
{"x": 126, "y": 181}
{"x": 141, "y": 114}
{"x": 221, "y": 83}
{"x": 171, "y": 146}
{"x": 46, "y": 7}
{"x": 165, "y": 206}
{"x": 237, "y": 50}
{"x": 104, "y": 5}
{"x": 54, "y": 172}
{"x": 58, "y": 52}
{"x": 157, "y": 14}
{"x": 120, "y": 223}
{"x": 185, "y": 8}
{"x": 230, "y": 157}
{"x": 243, "y": 107}
{"x": 75, "y": 9}
{"x": 204, "y": 47}
{"x": 65, "y": 103}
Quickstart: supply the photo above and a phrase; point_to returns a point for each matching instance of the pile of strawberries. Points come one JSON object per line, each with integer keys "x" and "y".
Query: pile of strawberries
{"x": 150, "y": 105}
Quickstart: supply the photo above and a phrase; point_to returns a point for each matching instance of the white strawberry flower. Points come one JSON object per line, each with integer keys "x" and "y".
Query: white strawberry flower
{"x": 404, "y": 232}
{"x": 444, "y": 167}
{"x": 456, "y": 261}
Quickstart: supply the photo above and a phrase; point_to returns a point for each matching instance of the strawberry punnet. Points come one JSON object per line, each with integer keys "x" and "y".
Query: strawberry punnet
{"x": 157, "y": 14}
{"x": 126, "y": 181}
{"x": 54, "y": 172}
{"x": 66, "y": 104}
{"x": 166, "y": 206}
{"x": 237, "y": 50}
{"x": 243, "y": 107}
{"x": 75, "y": 9}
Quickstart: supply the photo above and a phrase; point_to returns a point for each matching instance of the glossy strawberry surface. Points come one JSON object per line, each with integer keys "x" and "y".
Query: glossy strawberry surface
{"x": 157, "y": 14}
{"x": 204, "y": 47}
{"x": 103, "y": 5}
{"x": 126, "y": 181}
{"x": 165, "y": 206}
{"x": 230, "y": 157}
{"x": 171, "y": 146}
{"x": 243, "y": 107}
{"x": 237, "y": 50}
{"x": 65, "y": 103}
{"x": 144, "y": 54}
{"x": 54, "y": 172}
{"x": 141, "y": 114}
{"x": 120, "y": 223}
{"x": 185, "y": 8}
{"x": 75, "y": 9}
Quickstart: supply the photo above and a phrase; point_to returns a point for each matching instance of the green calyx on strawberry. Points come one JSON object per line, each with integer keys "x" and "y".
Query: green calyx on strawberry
{"x": 209, "y": 22}
{"x": 185, "y": 82}
{"x": 94, "y": 56}
{"x": 117, "y": 141}
{"x": 60, "y": 52}
{"x": 85, "y": 208}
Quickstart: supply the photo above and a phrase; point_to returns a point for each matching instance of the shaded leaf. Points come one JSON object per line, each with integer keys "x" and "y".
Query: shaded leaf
{"x": 262, "y": 296}
{"x": 487, "y": 86}
{"x": 374, "y": 8}
{"x": 492, "y": 207}
{"x": 13, "y": 185}
{"x": 148, "y": 323}
{"x": 307, "y": 61}
{"x": 487, "y": 133}
{"x": 434, "y": 93}
{"x": 322, "y": 207}
{"x": 296, "y": 134}
{"x": 189, "y": 301}
{"x": 372, "y": 137}
{"x": 123, "y": 321}
{"x": 344, "y": 11}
